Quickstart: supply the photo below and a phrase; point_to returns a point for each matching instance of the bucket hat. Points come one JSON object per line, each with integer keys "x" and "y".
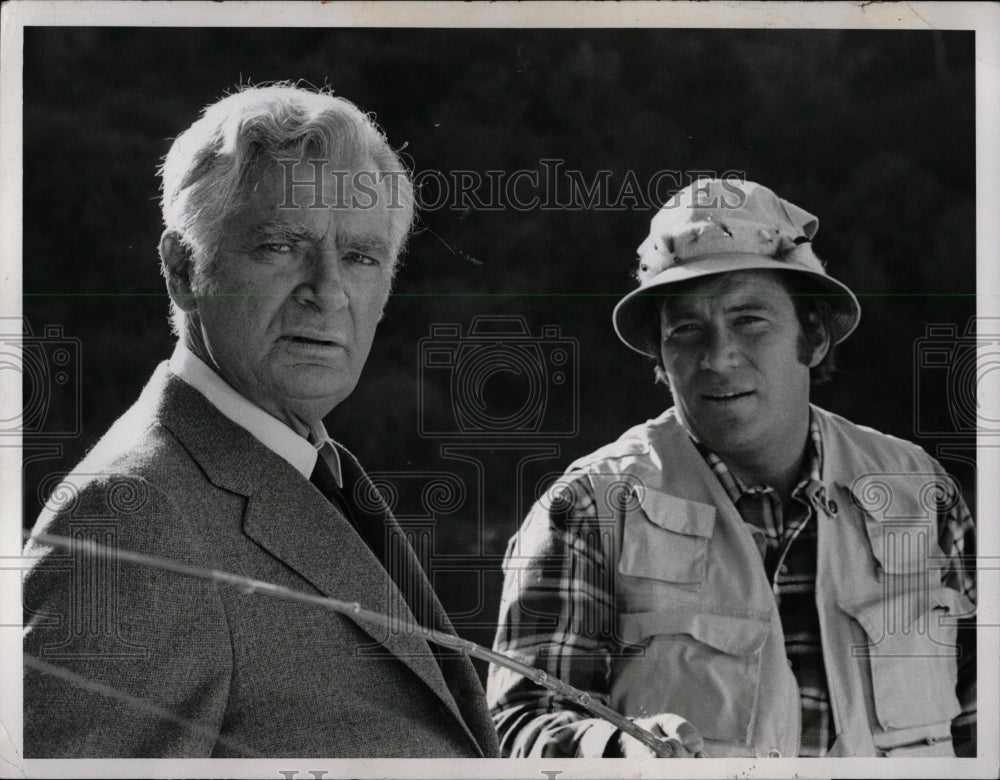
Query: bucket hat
{"x": 716, "y": 226}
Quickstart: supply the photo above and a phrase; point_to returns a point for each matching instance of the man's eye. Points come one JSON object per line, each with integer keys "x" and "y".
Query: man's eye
{"x": 278, "y": 248}
{"x": 361, "y": 259}
{"x": 685, "y": 330}
{"x": 750, "y": 320}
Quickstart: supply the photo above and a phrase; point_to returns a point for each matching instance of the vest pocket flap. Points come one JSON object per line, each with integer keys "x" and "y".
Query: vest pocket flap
{"x": 910, "y": 655}
{"x": 727, "y": 633}
{"x": 666, "y": 539}
{"x": 900, "y": 513}
{"x": 904, "y": 617}
{"x": 677, "y": 514}
{"x": 903, "y": 548}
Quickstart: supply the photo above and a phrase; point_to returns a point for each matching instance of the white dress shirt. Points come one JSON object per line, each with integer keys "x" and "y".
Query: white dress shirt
{"x": 268, "y": 430}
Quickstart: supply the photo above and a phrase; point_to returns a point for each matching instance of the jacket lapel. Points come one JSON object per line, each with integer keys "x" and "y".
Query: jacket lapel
{"x": 291, "y": 519}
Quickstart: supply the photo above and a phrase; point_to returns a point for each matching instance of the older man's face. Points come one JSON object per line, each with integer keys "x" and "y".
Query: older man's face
{"x": 295, "y": 295}
{"x": 730, "y": 351}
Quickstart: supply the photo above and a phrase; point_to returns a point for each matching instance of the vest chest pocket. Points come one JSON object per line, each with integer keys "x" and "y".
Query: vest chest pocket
{"x": 899, "y": 514}
{"x": 702, "y": 666}
{"x": 911, "y": 654}
{"x": 666, "y": 538}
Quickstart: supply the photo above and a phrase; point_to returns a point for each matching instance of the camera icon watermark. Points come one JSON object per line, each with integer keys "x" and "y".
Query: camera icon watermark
{"x": 960, "y": 374}
{"x": 48, "y": 366}
{"x": 498, "y": 381}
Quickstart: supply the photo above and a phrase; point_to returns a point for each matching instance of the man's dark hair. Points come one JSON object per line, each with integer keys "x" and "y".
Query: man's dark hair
{"x": 812, "y": 309}
{"x": 815, "y": 315}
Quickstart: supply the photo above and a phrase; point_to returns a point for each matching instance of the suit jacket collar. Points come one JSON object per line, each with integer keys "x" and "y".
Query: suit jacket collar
{"x": 287, "y": 516}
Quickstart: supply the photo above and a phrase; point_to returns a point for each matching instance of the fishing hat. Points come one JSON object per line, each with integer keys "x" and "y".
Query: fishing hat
{"x": 717, "y": 226}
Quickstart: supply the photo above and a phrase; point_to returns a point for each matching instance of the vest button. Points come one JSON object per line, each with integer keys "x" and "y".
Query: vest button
{"x": 774, "y": 753}
{"x": 832, "y": 506}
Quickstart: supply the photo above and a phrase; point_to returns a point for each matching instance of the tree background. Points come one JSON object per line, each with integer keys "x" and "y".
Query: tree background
{"x": 873, "y": 131}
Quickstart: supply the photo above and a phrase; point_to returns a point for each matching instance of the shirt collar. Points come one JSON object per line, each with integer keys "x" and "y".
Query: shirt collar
{"x": 812, "y": 468}
{"x": 300, "y": 452}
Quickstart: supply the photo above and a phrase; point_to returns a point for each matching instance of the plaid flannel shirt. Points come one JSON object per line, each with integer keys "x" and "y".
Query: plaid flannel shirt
{"x": 566, "y": 580}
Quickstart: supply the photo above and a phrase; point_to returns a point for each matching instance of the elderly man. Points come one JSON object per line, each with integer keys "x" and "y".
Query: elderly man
{"x": 285, "y": 213}
{"x": 790, "y": 583}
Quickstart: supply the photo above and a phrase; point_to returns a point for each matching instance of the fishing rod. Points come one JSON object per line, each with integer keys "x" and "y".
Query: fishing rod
{"x": 663, "y": 748}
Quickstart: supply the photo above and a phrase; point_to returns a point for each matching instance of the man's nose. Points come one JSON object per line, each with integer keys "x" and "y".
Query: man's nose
{"x": 323, "y": 283}
{"x": 720, "y": 350}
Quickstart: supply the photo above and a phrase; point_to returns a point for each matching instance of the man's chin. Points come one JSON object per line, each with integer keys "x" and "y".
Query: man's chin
{"x": 728, "y": 433}
{"x": 312, "y": 397}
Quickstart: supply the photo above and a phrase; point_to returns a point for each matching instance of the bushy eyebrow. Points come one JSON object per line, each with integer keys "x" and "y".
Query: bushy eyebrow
{"x": 296, "y": 231}
{"x": 363, "y": 242}
{"x": 683, "y": 309}
{"x": 289, "y": 231}
{"x": 750, "y": 306}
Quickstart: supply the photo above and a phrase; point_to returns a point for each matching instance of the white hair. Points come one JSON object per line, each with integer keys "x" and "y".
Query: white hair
{"x": 211, "y": 165}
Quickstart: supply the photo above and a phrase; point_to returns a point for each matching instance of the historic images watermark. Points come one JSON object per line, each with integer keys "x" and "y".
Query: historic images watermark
{"x": 550, "y": 186}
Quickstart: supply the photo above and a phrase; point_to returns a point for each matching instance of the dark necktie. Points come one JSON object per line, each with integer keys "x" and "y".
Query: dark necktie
{"x": 371, "y": 527}
{"x": 322, "y": 477}
{"x": 371, "y": 532}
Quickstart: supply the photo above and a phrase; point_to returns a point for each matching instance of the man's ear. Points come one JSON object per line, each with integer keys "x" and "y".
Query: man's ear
{"x": 178, "y": 268}
{"x": 820, "y": 350}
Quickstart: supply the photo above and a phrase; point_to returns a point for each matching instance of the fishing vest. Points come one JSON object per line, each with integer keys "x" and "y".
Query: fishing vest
{"x": 699, "y": 624}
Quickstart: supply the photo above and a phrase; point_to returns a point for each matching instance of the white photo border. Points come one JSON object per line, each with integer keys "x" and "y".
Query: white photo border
{"x": 984, "y": 18}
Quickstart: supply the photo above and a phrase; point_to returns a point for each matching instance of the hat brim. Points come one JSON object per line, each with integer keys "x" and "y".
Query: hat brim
{"x": 633, "y": 313}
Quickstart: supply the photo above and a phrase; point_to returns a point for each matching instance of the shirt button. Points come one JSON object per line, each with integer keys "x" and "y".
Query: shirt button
{"x": 832, "y": 506}
{"x": 774, "y": 753}
{"x": 783, "y": 569}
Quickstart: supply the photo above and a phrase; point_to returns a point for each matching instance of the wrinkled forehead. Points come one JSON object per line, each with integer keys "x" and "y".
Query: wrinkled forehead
{"x": 351, "y": 188}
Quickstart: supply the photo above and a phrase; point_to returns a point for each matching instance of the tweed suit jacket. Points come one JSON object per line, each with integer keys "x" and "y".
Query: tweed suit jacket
{"x": 124, "y": 660}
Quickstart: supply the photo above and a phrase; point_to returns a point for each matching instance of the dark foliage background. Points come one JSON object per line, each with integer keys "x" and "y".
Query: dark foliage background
{"x": 871, "y": 131}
